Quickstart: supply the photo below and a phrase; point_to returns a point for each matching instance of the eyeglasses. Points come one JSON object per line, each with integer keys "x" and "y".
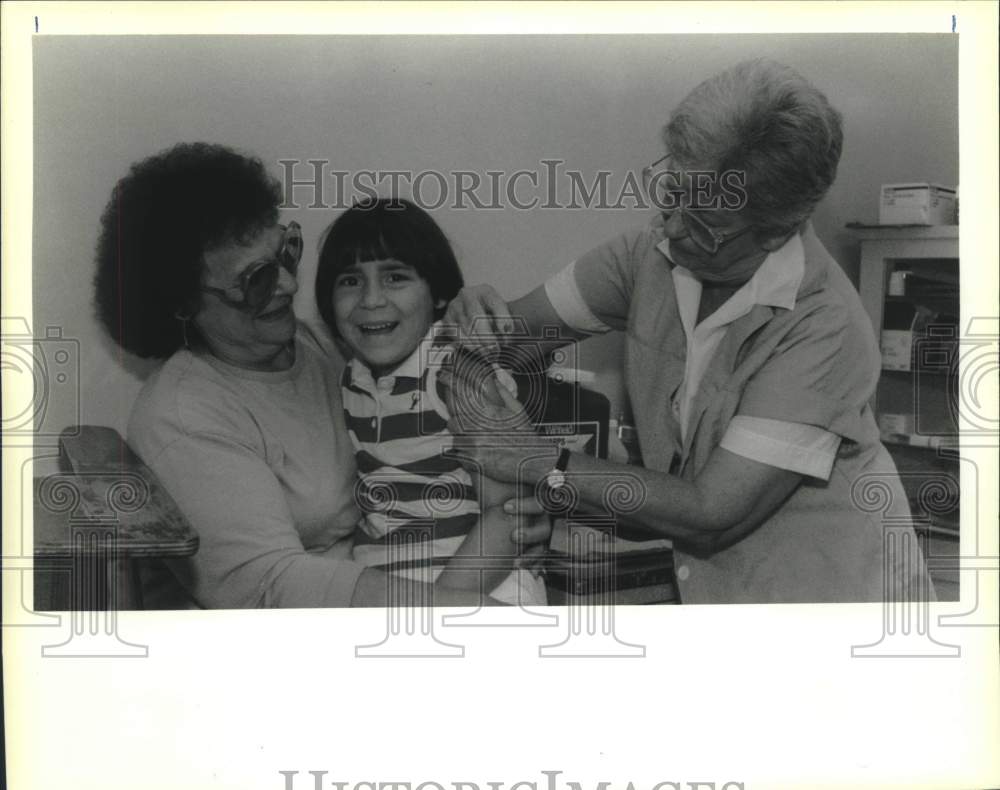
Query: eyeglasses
{"x": 707, "y": 238}
{"x": 259, "y": 282}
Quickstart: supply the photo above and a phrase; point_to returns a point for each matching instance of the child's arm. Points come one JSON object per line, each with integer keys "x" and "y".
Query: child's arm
{"x": 493, "y": 493}
{"x": 490, "y": 537}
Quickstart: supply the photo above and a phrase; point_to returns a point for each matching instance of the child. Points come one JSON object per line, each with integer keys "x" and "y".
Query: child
{"x": 386, "y": 274}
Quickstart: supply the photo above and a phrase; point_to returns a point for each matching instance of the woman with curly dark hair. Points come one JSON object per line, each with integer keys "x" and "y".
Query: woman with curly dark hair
{"x": 243, "y": 421}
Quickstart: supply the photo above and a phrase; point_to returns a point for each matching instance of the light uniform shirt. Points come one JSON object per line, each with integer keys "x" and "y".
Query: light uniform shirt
{"x": 806, "y": 449}
{"x": 815, "y": 364}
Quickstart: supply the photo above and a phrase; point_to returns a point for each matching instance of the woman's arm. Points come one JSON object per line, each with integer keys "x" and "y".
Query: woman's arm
{"x": 484, "y": 318}
{"x": 375, "y": 588}
{"x": 250, "y": 553}
{"x": 730, "y": 496}
{"x": 591, "y": 296}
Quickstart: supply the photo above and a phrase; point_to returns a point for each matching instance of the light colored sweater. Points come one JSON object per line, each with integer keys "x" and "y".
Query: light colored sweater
{"x": 261, "y": 465}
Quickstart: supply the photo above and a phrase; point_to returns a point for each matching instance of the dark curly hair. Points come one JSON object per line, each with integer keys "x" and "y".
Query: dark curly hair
{"x": 379, "y": 228}
{"x": 163, "y": 216}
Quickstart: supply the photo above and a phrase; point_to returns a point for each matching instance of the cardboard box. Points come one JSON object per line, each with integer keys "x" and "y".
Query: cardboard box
{"x": 897, "y": 349}
{"x": 914, "y": 336}
{"x": 896, "y": 341}
{"x": 917, "y": 204}
{"x": 895, "y": 424}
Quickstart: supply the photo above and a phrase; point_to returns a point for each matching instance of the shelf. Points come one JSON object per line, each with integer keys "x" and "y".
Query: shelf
{"x": 941, "y": 305}
{"x": 903, "y": 232}
{"x": 919, "y": 298}
{"x": 919, "y": 440}
{"x": 922, "y": 371}
{"x": 938, "y": 528}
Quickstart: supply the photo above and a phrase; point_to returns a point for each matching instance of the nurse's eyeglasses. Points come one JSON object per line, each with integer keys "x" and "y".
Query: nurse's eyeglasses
{"x": 259, "y": 282}
{"x": 707, "y": 238}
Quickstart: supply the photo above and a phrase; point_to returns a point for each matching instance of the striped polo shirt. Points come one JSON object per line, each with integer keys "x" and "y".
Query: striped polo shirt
{"x": 398, "y": 425}
{"x": 406, "y": 476}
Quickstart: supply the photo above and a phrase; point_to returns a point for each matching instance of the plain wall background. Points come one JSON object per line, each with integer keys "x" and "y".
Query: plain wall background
{"x": 436, "y": 103}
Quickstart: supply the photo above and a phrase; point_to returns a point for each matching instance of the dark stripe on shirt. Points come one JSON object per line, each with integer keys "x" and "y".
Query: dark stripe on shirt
{"x": 414, "y": 492}
{"x": 407, "y": 425}
{"x": 405, "y": 385}
{"x": 440, "y": 528}
{"x": 364, "y": 428}
{"x": 410, "y": 424}
{"x": 432, "y": 466}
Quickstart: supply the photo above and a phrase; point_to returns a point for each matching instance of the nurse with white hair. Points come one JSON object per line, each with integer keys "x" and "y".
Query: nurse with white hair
{"x": 749, "y": 360}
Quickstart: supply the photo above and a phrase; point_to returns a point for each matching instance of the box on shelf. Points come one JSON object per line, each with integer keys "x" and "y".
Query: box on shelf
{"x": 917, "y": 204}
{"x": 917, "y": 409}
{"x": 914, "y": 335}
{"x": 937, "y": 291}
{"x": 896, "y": 341}
{"x": 895, "y": 424}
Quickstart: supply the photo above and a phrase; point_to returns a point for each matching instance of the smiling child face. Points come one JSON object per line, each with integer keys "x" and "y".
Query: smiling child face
{"x": 383, "y": 309}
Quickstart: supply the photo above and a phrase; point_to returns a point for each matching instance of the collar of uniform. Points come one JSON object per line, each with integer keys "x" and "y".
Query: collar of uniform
{"x": 817, "y": 262}
{"x": 775, "y": 284}
{"x": 411, "y": 367}
{"x": 777, "y": 280}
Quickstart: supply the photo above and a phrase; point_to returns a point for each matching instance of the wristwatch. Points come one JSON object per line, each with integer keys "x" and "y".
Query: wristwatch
{"x": 556, "y": 476}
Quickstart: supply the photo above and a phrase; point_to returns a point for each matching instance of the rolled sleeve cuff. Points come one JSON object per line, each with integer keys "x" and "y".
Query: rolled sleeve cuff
{"x": 569, "y": 304}
{"x": 797, "y": 447}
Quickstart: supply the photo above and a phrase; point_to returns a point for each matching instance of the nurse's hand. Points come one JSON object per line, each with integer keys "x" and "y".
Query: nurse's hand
{"x": 481, "y": 315}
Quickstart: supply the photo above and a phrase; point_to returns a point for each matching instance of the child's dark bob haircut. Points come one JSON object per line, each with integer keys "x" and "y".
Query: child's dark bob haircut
{"x": 383, "y": 228}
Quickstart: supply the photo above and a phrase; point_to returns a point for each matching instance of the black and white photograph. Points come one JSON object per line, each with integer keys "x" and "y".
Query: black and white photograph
{"x": 635, "y": 383}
